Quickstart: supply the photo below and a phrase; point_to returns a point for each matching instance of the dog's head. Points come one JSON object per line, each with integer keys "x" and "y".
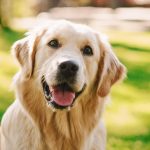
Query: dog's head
{"x": 67, "y": 60}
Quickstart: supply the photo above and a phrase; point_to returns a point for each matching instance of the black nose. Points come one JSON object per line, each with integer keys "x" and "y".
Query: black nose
{"x": 68, "y": 68}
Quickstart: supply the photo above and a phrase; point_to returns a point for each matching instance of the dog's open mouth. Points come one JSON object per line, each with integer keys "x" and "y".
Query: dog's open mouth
{"x": 60, "y": 96}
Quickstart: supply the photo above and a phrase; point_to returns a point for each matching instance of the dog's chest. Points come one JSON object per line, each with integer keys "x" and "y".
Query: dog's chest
{"x": 68, "y": 132}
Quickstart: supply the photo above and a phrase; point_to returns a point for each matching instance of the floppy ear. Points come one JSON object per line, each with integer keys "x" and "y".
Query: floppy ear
{"x": 24, "y": 52}
{"x": 111, "y": 69}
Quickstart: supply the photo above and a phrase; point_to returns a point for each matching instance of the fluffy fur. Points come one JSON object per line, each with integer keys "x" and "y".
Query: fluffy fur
{"x": 29, "y": 124}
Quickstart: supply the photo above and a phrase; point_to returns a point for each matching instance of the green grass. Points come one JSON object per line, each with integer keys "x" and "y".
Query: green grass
{"x": 7, "y": 67}
{"x": 128, "y": 115}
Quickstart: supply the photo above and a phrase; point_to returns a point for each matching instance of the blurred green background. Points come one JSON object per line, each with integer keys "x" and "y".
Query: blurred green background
{"x": 128, "y": 115}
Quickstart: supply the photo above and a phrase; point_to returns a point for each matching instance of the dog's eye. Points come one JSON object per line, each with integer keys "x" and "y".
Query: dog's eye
{"x": 87, "y": 50}
{"x": 54, "y": 43}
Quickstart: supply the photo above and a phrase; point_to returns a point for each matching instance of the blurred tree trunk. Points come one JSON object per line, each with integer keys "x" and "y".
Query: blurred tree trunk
{"x": 45, "y": 5}
{"x": 5, "y": 12}
{"x": 115, "y": 3}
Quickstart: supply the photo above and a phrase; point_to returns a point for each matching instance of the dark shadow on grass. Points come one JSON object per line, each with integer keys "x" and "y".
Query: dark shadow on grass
{"x": 144, "y": 138}
{"x": 126, "y": 46}
{"x": 139, "y": 76}
{"x": 1, "y": 114}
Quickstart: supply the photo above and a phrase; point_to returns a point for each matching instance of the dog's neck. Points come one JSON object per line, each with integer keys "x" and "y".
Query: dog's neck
{"x": 68, "y": 126}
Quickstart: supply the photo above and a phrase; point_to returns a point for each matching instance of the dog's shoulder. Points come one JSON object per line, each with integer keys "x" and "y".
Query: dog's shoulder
{"x": 17, "y": 125}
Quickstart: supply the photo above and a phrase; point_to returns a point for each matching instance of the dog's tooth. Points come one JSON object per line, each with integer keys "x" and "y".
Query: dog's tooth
{"x": 68, "y": 108}
{"x": 48, "y": 104}
{"x": 53, "y": 109}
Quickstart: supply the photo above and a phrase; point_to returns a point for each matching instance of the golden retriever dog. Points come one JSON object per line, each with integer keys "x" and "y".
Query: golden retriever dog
{"x": 66, "y": 73}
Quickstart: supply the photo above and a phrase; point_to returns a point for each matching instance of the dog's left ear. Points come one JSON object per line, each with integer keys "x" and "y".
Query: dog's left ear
{"x": 110, "y": 68}
{"x": 24, "y": 51}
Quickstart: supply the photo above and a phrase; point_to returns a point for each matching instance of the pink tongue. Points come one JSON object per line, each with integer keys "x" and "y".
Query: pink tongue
{"x": 63, "y": 98}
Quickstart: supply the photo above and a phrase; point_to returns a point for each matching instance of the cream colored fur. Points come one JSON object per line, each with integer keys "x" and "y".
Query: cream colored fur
{"x": 29, "y": 124}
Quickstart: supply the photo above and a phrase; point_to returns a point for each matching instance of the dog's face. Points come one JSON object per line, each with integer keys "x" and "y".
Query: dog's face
{"x": 68, "y": 60}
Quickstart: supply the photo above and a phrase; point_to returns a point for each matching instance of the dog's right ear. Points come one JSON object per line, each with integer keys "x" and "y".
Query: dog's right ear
{"x": 24, "y": 52}
{"x": 111, "y": 69}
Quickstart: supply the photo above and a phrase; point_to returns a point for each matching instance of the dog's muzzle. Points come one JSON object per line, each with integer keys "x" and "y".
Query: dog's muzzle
{"x": 62, "y": 95}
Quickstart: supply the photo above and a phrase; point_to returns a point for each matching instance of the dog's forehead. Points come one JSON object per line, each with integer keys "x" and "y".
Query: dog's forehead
{"x": 69, "y": 29}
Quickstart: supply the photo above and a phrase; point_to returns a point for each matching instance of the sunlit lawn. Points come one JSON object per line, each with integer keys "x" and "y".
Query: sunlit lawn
{"x": 7, "y": 67}
{"x": 128, "y": 115}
